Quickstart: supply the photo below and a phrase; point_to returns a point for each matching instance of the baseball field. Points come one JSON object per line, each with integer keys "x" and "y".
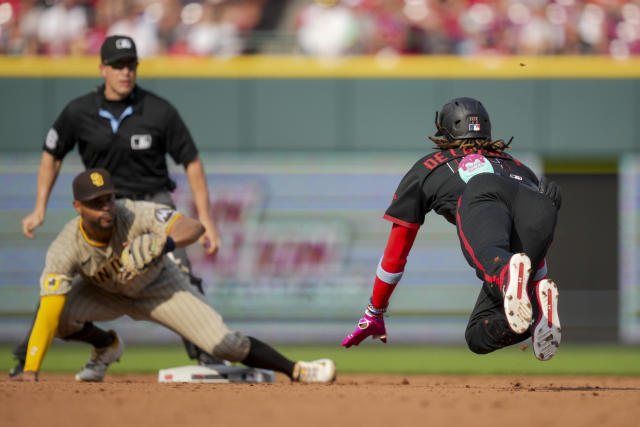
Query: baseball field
{"x": 406, "y": 385}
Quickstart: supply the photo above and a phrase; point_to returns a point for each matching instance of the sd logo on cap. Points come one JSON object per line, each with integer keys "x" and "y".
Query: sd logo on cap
{"x": 92, "y": 183}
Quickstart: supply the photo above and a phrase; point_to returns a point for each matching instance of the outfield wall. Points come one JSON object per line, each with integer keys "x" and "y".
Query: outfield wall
{"x": 554, "y": 106}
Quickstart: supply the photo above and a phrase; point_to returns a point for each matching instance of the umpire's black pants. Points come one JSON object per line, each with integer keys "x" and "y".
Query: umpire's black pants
{"x": 498, "y": 217}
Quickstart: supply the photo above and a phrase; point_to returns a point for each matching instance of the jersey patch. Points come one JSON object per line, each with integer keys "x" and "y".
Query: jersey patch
{"x": 163, "y": 214}
{"x": 472, "y": 165}
{"x": 474, "y": 124}
{"x": 52, "y": 139}
{"x": 52, "y": 282}
{"x": 140, "y": 142}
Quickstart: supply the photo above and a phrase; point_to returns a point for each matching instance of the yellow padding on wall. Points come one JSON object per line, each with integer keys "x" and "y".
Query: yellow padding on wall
{"x": 292, "y": 67}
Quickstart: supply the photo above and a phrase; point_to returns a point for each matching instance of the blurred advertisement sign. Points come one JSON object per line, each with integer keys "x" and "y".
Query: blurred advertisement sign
{"x": 301, "y": 240}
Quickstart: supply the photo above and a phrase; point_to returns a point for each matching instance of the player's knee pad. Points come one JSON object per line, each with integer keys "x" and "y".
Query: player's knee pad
{"x": 234, "y": 347}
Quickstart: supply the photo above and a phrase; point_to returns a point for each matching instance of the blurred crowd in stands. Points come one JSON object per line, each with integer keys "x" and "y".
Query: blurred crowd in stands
{"x": 324, "y": 27}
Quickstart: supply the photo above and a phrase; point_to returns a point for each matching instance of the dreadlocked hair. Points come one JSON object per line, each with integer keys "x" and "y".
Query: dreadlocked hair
{"x": 472, "y": 144}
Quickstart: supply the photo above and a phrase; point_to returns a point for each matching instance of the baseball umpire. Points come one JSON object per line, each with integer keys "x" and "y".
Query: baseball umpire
{"x": 128, "y": 131}
{"x": 505, "y": 219}
{"x": 112, "y": 261}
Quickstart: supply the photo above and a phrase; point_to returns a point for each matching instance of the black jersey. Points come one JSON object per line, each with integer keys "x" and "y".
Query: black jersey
{"x": 436, "y": 182}
{"x": 130, "y": 138}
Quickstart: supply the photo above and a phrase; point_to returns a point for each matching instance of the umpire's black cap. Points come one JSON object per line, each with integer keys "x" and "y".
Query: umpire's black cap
{"x": 92, "y": 183}
{"x": 115, "y": 48}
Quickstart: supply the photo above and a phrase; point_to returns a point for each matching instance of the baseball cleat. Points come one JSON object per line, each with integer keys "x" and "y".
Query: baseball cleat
{"x": 96, "y": 368}
{"x": 546, "y": 333}
{"x": 317, "y": 371}
{"x": 18, "y": 369}
{"x": 517, "y": 305}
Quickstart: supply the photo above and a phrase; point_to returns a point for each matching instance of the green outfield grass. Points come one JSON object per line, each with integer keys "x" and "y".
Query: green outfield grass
{"x": 376, "y": 358}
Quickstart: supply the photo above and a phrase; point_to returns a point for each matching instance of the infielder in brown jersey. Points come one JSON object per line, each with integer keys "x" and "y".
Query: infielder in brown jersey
{"x": 111, "y": 261}
{"x": 128, "y": 131}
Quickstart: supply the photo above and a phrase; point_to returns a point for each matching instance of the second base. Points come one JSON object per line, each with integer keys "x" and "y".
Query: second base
{"x": 215, "y": 374}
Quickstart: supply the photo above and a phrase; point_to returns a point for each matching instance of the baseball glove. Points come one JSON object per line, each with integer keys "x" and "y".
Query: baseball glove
{"x": 141, "y": 253}
{"x": 551, "y": 190}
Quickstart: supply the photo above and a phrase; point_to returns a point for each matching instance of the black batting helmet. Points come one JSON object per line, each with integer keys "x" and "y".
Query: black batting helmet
{"x": 463, "y": 118}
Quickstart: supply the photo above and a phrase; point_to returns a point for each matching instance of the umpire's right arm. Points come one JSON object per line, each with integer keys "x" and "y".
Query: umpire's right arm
{"x": 47, "y": 175}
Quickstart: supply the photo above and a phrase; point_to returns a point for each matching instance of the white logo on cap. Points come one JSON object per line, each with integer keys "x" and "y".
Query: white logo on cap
{"x": 52, "y": 139}
{"x": 123, "y": 44}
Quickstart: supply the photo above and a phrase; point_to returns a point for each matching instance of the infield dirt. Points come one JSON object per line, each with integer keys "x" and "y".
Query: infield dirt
{"x": 353, "y": 400}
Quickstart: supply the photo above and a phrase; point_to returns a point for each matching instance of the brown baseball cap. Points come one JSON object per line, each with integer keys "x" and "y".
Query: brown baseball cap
{"x": 92, "y": 183}
{"x": 115, "y": 48}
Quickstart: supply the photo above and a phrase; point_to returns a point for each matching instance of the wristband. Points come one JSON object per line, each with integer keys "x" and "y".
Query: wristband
{"x": 169, "y": 246}
{"x": 373, "y": 311}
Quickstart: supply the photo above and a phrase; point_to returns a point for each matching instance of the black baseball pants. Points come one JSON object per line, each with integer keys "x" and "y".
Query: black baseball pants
{"x": 498, "y": 217}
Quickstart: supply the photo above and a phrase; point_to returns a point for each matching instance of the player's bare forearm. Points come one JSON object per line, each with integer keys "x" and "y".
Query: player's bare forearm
{"x": 47, "y": 174}
{"x": 198, "y": 183}
{"x": 200, "y": 191}
{"x": 185, "y": 231}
